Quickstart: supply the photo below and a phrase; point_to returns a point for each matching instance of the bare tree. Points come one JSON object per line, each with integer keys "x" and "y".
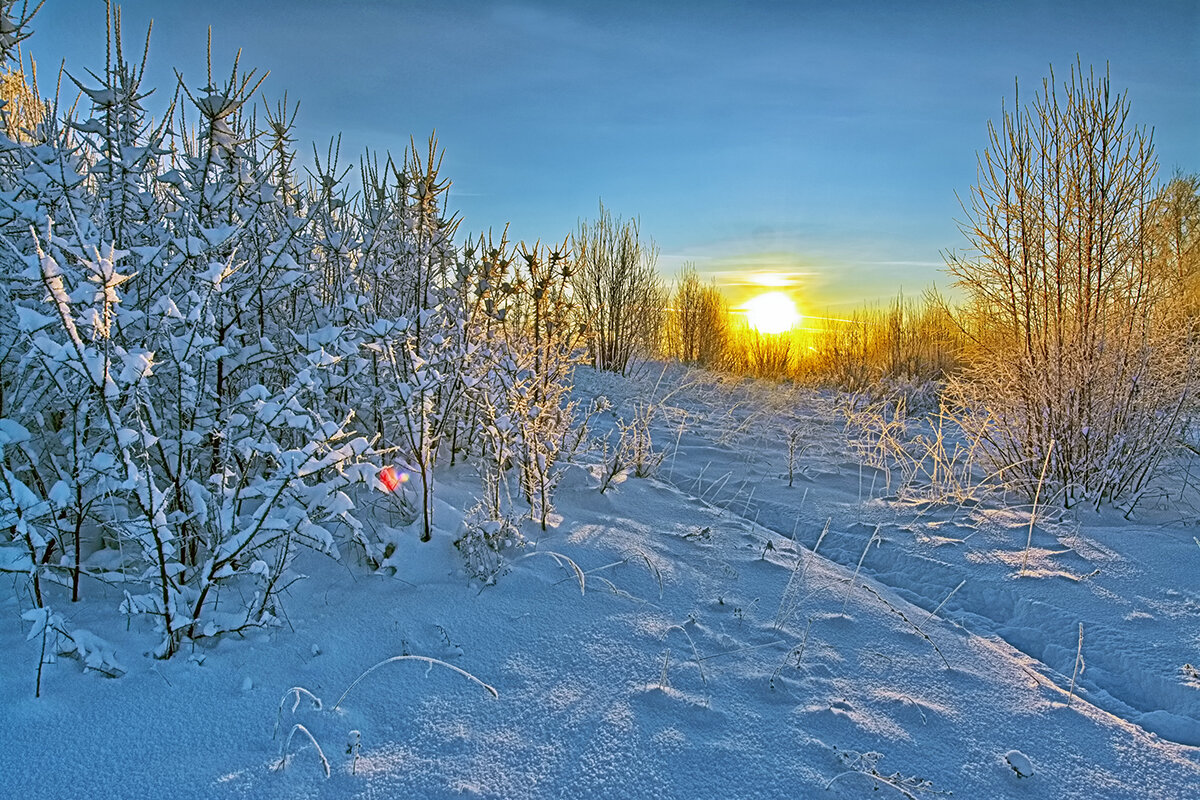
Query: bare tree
{"x": 618, "y": 290}
{"x": 1079, "y": 364}
{"x": 698, "y": 323}
{"x": 1177, "y": 227}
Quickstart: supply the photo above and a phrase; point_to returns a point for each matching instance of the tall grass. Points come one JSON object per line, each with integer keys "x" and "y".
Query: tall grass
{"x": 873, "y": 346}
{"x": 874, "y": 349}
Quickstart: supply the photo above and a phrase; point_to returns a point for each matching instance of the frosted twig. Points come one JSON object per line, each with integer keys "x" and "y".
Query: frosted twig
{"x": 287, "y": 743}
{"x": 1033, "y": 514}
{"x": 1079, "y": 666}
{"x": 656, "y": 571}
{"x": 798, "y": 652}
{"x": 902, "y": 616}
{"x": 559, "y": 558}
{"x": 297, "y": 691}
{"x": 867, "y": 764}
{"x": 925, "y": 621}
{"x": 790, "y": 598}
{"x": 426, "y": 659}
{"x": 695, "y": 653}
{"x": 591, "y": 571}
{"x": 716, "y": 487}
{"x": 743, "y": 649}
{"x": 861, "y": 559}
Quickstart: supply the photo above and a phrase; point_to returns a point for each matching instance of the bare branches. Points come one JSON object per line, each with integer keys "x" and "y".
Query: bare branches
{"x": 619, "y": 292}
{"x": 698, "y": 321}
{"x": 1077, "y": 338}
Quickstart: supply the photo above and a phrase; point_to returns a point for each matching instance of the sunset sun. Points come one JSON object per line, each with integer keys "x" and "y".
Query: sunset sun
{"x": 771, "y": 312}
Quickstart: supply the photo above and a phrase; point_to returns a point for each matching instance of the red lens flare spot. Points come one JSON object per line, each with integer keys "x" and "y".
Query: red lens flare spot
{"x": 390, "y": 478}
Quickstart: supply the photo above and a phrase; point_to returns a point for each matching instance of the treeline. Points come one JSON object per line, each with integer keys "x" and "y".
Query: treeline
{"x": 928, "y": 338}
{"x": 912, "y": 339}
{"x": 1070, "y": 364}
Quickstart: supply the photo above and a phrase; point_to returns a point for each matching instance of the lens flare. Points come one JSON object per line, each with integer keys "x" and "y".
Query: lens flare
{"x": 391, "y": 478}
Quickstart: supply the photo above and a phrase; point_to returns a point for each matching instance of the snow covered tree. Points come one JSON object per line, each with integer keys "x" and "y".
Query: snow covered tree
{"x": 151, "y": 422}
{"x": 412, "y": 330}
{"x": 201, "y": 358}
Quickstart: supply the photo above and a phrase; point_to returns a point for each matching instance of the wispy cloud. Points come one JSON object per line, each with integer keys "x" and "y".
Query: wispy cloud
{"x": 822, "y": 142}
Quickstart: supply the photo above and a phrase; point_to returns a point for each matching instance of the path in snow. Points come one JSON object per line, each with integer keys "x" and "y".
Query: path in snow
{"x": 1134, "y": 587}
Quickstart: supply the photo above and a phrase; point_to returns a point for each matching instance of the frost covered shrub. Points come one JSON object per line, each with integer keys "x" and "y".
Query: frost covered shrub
{"x": 521, "y": 318}
{"x": 158, "y": 416}
{"x": 201, "y": 358}
{"x": 517, "y": 411}
{"x": 1081, "y": 357}
{"x": 544, "y": 344}
{"x": 485, "y": 538}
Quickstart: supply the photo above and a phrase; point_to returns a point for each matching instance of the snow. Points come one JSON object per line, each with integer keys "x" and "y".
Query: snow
{"x": 1020, "y": 763}
{"x": 12, "y": 433}
{"x": 701, "y": 650}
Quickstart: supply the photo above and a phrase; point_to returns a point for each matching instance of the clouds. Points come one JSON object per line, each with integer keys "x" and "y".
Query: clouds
{"x": 837, "y": 133}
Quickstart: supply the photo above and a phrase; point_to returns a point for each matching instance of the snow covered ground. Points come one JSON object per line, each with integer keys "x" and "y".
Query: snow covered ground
{"x": 704, "y": 651}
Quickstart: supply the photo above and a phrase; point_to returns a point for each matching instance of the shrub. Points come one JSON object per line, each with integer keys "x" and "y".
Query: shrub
{"x": 1079, "y": 351}
{"x": 618, "y": 290}
{"x": 698, "y": 330}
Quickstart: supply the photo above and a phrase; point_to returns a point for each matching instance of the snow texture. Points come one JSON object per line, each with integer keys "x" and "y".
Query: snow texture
{"x": 709, "y": 655}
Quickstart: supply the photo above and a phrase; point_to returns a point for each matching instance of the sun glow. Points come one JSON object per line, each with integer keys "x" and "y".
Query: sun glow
{"x": 771, "y": 312}
{"x": 773, "y": 280}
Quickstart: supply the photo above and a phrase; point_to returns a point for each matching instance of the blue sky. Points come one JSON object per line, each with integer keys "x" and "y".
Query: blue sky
{"x": 826, "y": 141}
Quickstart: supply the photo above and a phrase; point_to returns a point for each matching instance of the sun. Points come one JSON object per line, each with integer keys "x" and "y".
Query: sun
{"x": 771, "y": 312}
